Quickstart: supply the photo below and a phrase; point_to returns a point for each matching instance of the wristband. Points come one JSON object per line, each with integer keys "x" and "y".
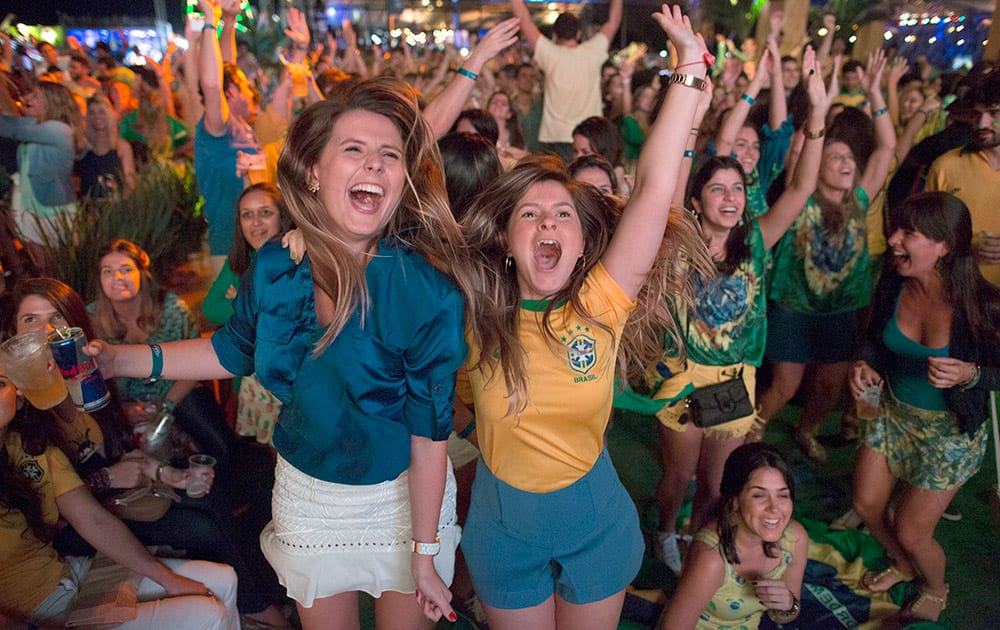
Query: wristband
{"x": 209, "y": 27}
{"x": 469, "y": 428}
{"x": 815, "y": 135}
{"x": 468, "y": 73}
{"x": 689, "y": 153}
{"x": 427, "y": 549}
{"x": 157, "y": 353}
{"x": 749, "y": 99}
{"x": 879, "y": 112}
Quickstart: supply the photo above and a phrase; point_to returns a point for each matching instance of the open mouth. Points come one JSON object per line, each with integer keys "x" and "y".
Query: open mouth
{"x": 729, "y": 211}
{"x": 771, "y": 522}
{"x": 367, "y": 197}
{"x": 547, "y": 254}
{"x": 900, "y": 257}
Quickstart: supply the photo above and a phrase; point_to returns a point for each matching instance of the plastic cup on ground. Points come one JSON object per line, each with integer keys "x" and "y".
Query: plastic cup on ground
{"x": 199, "y": 468}
{"x": 29, "y": 365}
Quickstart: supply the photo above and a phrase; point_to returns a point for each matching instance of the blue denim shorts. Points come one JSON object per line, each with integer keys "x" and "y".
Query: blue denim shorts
{"x": 582, "y": 542}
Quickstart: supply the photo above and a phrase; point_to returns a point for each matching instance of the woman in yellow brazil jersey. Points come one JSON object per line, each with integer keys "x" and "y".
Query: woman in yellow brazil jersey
{"x": 552, "y": 538}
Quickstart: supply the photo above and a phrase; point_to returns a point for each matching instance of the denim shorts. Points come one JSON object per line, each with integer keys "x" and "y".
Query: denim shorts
{"x": 582, "y": 542}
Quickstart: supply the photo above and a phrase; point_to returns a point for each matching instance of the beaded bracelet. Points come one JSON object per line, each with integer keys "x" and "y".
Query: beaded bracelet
{"x": 468, "y": 74}
{"x": 879, "y": 112}
{"x": 689, "y": 153}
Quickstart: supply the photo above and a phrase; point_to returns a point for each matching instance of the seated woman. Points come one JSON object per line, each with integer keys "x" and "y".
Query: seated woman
{"x": 751, "y": 557}
{"x": 38, "y": 487}
{"x": 100, "y": 447}
{"x": 132, "y": 308}
{"x": 261, "y": 215}
{"x": 933, "y": 348}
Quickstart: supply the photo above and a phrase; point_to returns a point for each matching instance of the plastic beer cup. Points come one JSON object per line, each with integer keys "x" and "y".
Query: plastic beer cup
{"x": 29, "y": 365}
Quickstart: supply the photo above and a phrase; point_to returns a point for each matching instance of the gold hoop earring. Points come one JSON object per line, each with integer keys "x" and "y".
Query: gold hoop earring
{"x": 313, "y": 186}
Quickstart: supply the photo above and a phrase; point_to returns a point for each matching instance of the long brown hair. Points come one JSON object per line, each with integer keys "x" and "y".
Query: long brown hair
{"x": 422, "y": 221}
{"x": 944, "y": 218}
{"x": 494, "y": 320}
{"x": 107, "y": 324}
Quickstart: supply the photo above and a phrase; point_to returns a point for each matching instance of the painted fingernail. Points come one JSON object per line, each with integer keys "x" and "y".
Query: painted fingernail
{"x": 453, "y": 617}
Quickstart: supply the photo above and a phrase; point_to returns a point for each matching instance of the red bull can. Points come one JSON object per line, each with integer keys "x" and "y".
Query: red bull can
{"x": 83, "y": 380}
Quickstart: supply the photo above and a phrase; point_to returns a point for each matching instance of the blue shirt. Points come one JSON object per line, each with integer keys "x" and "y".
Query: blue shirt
{"x": 48, "y": 146}
{"x": 215, "y": 169}
{"x": 348, "y": 414}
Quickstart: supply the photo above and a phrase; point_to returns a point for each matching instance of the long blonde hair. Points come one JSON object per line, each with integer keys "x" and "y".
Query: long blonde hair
{"x": 422, "y": 221}
{"x": 113, "y": 133}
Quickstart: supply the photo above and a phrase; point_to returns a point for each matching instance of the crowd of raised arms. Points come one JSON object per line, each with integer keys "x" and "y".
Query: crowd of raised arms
{"x": 436, "y": 278}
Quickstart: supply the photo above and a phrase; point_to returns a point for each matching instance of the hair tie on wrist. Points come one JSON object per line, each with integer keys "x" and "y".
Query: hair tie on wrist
{"x": 468, "y": 73}
{"x": 749, "y": 99}
{"x": 157, "y": 353}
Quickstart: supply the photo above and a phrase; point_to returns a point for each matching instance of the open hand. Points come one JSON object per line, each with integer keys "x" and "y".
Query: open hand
{"x": 690, "y": 45}
{"x": 298, "y": 30}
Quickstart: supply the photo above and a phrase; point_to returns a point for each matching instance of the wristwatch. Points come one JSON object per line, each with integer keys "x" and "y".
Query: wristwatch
{"x": 794, "y": 609}
{"x": 688, "y": 80}
{"x": 427, "y": 549}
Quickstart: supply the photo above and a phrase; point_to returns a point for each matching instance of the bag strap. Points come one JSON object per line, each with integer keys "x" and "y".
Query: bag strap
{"x": 996, "y": 432}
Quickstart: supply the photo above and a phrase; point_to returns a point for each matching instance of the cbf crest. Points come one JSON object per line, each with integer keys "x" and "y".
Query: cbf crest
{"x": 31, "y": 471}
{"x": 581, "y": 351}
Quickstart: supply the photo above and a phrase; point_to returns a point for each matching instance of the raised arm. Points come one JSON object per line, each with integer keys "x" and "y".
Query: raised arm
{"x": 210, "y": 71}
{"x": 776, "y": 221}
{"x": 529, "y": 31}
{"x": 227, "y": 39}
{"x": 778, "y": 106}
{"x": 825, "y": 46}
{"x": 609, "y": 28}
{"x": 913, "y": 126}
{"x": 885, "y": 136}
{"x": 442, "y": 112}
{"x": 689, "y": 149}
{"x": 636, "y": 242}
{"x": 898, "y": 68}
{"x": 739, "y": 112}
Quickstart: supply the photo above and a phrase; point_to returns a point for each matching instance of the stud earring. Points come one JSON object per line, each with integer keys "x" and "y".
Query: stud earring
{"x": 313, "y": 186}
{"x": 507, "y": 263}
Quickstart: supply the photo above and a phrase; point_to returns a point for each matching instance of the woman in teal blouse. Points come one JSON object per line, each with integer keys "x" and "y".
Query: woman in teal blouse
{"x": 360, "y": 342}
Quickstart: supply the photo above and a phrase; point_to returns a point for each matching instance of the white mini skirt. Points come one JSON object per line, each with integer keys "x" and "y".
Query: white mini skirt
{"x": 329, "y": 538}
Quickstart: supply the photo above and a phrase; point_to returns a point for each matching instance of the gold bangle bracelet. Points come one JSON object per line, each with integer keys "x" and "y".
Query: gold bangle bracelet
{"x": 814, "y": 135}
